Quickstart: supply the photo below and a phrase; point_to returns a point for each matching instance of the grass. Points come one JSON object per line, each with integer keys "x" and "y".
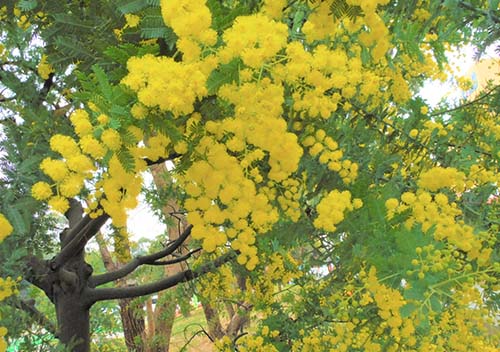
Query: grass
{"x": 187, "y": 333}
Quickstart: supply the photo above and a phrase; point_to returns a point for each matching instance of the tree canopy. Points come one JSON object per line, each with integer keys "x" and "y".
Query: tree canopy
{"x": 297, "y": 140}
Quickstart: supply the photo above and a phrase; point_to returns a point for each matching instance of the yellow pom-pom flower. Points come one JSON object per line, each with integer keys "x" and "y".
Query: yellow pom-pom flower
{"x": 111, "y": 139}
{"x": 59, "y": 204}
{"x": 55, "y": 169}
{"x": 41, "y": 191}
{"x": 5, "y": 227}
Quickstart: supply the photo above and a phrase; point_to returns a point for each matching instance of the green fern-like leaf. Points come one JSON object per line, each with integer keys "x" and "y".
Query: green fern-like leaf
{"x": 167, "y": 127}
{"x": 27, "y": 5}
{"x": 155, "y": 3}
{"x": 103, "y": 82}
{"x": 340, "y": 9}
{"x": 70, "y": 51}
{"x": 225, "y": 74}
{"x": 16, "y": 219}
{"x": 126, "y": 159}
{"x": 132, "y": 6}
{"x": 152, "y": 26}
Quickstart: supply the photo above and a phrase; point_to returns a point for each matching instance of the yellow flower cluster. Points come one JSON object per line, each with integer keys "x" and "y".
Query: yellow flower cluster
{"x": 81, "y": 123}
{"x": 120, "y": 190}
{"x": 132, "y": 21}
{"x": 315, "y": 340}
{"x": 5, "y": 227}
{"x": 430, "y": 128}
{"x": 189, "y": 19}
{"x": 121, "y": 245}
{"x": 218, "y": 286}
{"x": 273, "y": 8}
{"x": 440, "y": 177}
{"x": 437, "y": 213}
{"x": 479, "y": 175}
{"x": 8, "y": 286}
{"x": 289, "y": 198}
{"x": 41, "y": 191}
{"x": 280, "y": 270}
{"x": 44, "y": 68}
{"x": 388, "y": 300}
{"x": 248, "y": 343}
{"x": 319, "y": 24}
{"x": 116, "y": 190}
{"x": 111, "y": 139}
{"x": 157, "y": 146}
{"x": 464, "y": 326}
{"x": 332, "y": 207}
{"x": 258, "y": 122}
{"x": 255, "y": 38}
{"x": 3, "y": 343}
{"x": 170, "y": 85}
{"x": 329, "y": 153}
{"x": 370, "y": 28}
{"x": 315, "y": 74}
{"x": 68, "y": 174}
{"x": 220, "y": 194}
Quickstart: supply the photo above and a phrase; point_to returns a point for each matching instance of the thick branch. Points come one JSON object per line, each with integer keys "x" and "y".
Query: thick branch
{"x": 78, "y": 242}
{"x": 141, "y": 260}
{"x": 37, "y": 274}
{"x": 101, "y": 294}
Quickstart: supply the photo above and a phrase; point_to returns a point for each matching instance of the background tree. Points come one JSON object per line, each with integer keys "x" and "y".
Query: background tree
{"x": 298, "y": 140}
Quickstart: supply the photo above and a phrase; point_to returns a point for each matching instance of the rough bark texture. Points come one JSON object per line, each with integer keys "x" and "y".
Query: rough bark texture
{"x": 133, "y": 325}
{"x": 66, "y": 290}
{"x": 164, "y": 316}
{"x": 73, "y": 322}
{"x": 150, "y": 324}
{"x": 215, "y": 329}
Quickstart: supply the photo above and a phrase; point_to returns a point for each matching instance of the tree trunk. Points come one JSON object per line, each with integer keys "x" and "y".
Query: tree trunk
{"x": 164, "y": 321}
{"x": 165, "y": 309}
{"x": 214, "y": 325}
{"x": 150, "y": 326}
{"x": 73, "y": 322}
{"x": 133, "y": 324}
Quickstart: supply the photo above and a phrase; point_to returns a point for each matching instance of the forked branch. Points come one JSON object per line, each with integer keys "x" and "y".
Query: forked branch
{"x": 101, "y": 294}
{"x": 141, "y": 260}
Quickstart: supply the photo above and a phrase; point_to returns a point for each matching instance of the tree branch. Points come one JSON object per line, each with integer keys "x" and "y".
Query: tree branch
{"x": 177, "y": 260}
{"x": 37, "y": 274}
{"x": 462, "y": 106}
{"x": 488, "y": 14}
{"x": 141, "y": 260}
{"x": 78, "y": 242}
{"x": 101, "y": 294}
{"x": 171, "y": 156}
{"x": 107, "y": 260}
